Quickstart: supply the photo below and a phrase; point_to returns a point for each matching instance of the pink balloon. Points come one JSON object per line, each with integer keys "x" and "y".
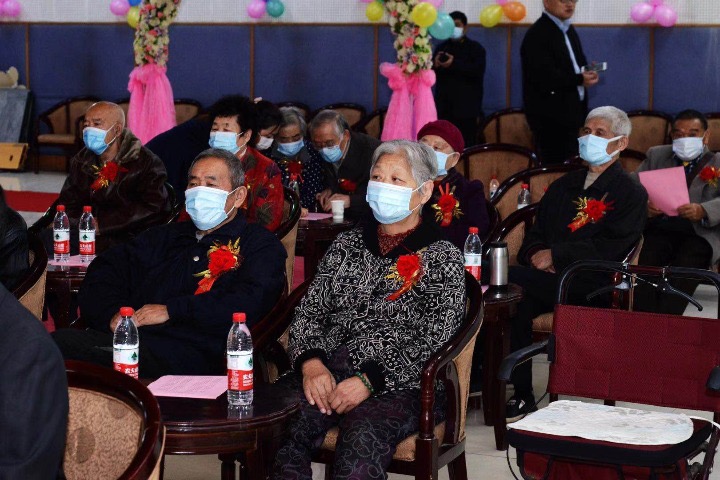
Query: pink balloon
{"x": 119, "y": 7}
{"x": 501, "y": 2}
{"x": 655, "y": 3}
{"x": 367, "y": 1}
{"x": 256, "y": 9}
{"x": 435, "y": 3}
{"x": 642, "y": 12}
{"x": 11, "y": 8}
{"x": 666, "y": 16}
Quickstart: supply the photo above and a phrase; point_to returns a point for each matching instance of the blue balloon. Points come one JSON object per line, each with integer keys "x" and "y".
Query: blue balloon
{"x": 134, "y": 3}
{"x": 275, "y": 8}
{"x": 443, "y": 27}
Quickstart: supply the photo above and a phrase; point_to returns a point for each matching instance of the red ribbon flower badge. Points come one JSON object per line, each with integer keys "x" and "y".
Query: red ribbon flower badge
{"x": 408, "y": 270}
{"x": 710, "y": 176}
{"x": 106, "y": 174}
{"x": 347, "y": 185}
{"x": 447, "y": 206}
{"x": 221, "y": 259}
{"x": 589, "y": 211}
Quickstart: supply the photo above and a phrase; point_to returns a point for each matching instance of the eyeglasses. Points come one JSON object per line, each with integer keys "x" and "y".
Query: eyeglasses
{"x": 567, "y": 2}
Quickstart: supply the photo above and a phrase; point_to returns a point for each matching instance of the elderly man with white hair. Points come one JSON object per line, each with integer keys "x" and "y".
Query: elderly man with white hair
{"x": 596, "y": 213}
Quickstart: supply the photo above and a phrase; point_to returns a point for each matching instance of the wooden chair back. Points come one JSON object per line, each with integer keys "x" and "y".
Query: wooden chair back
{"x": 31, "y": 290}
{"x": 512, "y": 230}
{"x": 114, "y": 425}
{"x": 649, "y": 128}
{"x": 372, "y": 124}
{"x": 303, "y": 107}
{"x": 287, "y": 231}
{"x": 713, "y": 119}
{"x": 185, "y": 109}
{"x": 508, "y": 126}
{"x": 631, "y": 160}
{"x": 62, "y": 117}
{"x": 481, "y": 162}
{"x": 352, "y": 112}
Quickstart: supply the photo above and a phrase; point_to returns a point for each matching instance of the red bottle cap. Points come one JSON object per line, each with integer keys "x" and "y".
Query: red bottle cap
{"x": 87, "y": 209}
{"x": 472, "y": 230}
{"x": 238, "y": 318}
{"x": 494, "y": 177}
{"x": 525, "y": 186}
{"x": 126, "y": 311}
{"x": 60, "y": 208}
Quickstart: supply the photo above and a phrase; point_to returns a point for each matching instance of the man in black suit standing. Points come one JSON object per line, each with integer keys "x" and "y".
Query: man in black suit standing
{"x": 554, "y": 88}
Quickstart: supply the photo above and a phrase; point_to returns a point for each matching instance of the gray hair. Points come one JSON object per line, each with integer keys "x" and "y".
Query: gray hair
{"x": 330, "y": 116}
{"x": 420, "y": 158}
{"x": 293, "y": 116}
{"x": 618, "y": 120}
{"x": 234, "y": 166}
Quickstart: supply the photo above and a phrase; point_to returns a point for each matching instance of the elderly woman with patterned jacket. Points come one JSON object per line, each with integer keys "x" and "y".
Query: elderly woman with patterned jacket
{"x": 387, "y": 295}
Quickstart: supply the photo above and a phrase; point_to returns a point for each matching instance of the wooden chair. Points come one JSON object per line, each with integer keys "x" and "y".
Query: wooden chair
{"x": 303, "y": 107}
{"x": 713, "y": 119}
{"x": 31, "y": 290}
{"x": 508, "y": 126}
{"x": 61, "y": 122}
{"x": 481, "y": 162}
{"x": 649, "y": 128}
{"x": 631, "y": 159}
{"x": 352, "y": 112}
{"x": 185, "y": 109}
{"x": 494, "y": 221}
{"x": 372, "y": 124}
{"x": 288, "y": 229}
{"x": 114, "y": 426}
{"x": 124, "y": 103}
{"x": 512, "y": 230}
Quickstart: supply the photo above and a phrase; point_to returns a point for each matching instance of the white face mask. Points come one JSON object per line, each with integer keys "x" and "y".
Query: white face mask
{"x": 264, "y": 143}
{"x": 593, "y": 149}
{"x": 688, "y": 148}
{"x": 457, "y": 33}
{"x": 389, "y": 203}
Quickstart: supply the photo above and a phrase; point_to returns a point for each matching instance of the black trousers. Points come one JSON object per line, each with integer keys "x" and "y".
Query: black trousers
{"x": 679, "y": 248}
{"x": 553, "y": 143}
{"x": 93, "y": 346}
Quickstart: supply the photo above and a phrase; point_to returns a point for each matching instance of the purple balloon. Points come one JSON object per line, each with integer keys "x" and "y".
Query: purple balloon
{"x": 655, "y": 3}
{"x": 666, "y": 16}
{"x": 119, "y": 7}
{"x": 435, "y": 3}
{"x": 256, "y": 9}
{"x": 642, "y": 12}
{"x": 11, "y": 8}
{"x": 501, "y": 2}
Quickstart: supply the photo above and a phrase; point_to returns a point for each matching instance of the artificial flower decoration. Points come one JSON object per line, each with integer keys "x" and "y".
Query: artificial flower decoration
{"x": 294, "y": 167}
{"x": 347, "y": 186}
{"x": 221, "y": 259}
{"x": 108, "y": 173}
{"x": 589, "y": 211}
{"x": 152, "y": 36}
{"x": 447, "y": 206}
{"x": 407, "y": 270}
{"x": 710, "y": 176}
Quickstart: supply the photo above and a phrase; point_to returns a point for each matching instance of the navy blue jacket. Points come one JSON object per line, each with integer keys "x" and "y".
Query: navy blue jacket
{"x": 159, "y": 267}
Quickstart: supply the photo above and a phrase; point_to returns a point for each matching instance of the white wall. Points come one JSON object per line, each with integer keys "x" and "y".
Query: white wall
{"x": 348, "y": 11}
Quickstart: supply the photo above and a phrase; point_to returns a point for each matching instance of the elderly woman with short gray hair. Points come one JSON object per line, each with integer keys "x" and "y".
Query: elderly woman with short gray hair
{"x": 388, "y": 294}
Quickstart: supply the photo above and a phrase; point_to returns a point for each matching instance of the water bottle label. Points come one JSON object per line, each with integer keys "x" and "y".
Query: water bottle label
{"x": 126, "y": 360}
{"x": 240, "y": 371}
{"x": 473, "y": 262}
{"x": 87, "y": 242}
{"x": 61, "y": 241}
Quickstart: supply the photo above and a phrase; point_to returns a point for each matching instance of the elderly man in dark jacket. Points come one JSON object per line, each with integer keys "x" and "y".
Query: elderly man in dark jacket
{"x": 598, "y": 213}
{"x": 184, "y": 280}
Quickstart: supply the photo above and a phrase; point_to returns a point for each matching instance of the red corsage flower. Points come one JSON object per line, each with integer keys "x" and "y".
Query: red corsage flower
{"x": 710, "y": 176}
{"x": 408, "y": 270}
{"x": 108, "y": 173}
{"x": 447, "y": 206}
{"x": 221, "y": 259}
{"x": 347, "y": 185}
{"x": 589, "y": 211}
{"x": 294, "y": 167}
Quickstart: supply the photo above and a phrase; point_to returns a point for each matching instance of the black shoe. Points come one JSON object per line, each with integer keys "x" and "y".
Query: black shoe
{"x": 517, "y": 407}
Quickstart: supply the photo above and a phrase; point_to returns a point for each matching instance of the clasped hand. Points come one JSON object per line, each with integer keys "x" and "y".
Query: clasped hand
{"x": 321, "y": 389}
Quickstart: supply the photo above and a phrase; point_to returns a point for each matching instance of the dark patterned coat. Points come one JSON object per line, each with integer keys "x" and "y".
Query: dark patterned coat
{"x": 347, "y": 305}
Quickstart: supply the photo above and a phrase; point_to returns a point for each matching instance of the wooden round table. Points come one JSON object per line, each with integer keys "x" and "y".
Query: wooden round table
{"x": 250, "y": 435}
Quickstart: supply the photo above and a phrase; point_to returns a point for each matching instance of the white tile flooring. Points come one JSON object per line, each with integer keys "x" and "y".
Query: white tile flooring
{"x": 483, "y": 461}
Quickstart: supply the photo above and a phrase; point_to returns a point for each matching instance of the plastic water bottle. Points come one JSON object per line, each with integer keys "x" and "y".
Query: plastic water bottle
{"x": 126, "y": 344}
{"x": 494, "y": 185}
{"x": 61, "y": 235}
{"x": 524, "y": 196}
{"x": 473, "y": 253}
{"x": 294, "y": 185}
{"x": 239, "y": 362}
{"x": 87, "y": 235}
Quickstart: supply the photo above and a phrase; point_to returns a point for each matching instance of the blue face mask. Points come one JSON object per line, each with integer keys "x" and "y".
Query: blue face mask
{"x": 291, "y": 149}
{"x": 206, "y": 206}
{"x": 225, "y": 141}
{"x": 332, "y": 154}
{"x": 94, "y": 139}
{"x": 593, "y": 149}
{"x": 457, "y": 33}
{"x": 441, "y": 161}
{"x": 389, "y": 203}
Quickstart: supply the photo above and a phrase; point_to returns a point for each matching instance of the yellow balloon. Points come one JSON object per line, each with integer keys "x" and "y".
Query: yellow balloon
{"x": 374, "y": 11}
{"x": 133, "y": 17}
{"x": 491, "y": 15}
{"x": 424, "y": 14}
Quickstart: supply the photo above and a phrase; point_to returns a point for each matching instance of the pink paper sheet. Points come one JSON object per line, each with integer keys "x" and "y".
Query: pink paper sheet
{"x": 317, "y": 216}
{"x": 189, "y": 386}
{"x": 666, "y": 188}
{"x": 73, "y": 262}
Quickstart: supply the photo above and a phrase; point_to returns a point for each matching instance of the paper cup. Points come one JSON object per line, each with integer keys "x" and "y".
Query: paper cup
{"x": 338, "y": 210}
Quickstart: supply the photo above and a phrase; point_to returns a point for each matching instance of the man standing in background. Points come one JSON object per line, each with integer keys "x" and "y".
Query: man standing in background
{"x": 554, "y": 87}
{"x": 459, "y": 64}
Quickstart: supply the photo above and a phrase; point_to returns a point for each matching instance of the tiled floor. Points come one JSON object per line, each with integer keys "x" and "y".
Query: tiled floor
{"x": 483, "y": 461}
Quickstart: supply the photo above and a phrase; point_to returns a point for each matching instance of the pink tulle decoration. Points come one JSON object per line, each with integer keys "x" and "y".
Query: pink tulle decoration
{"x": 11, "y": 8}
{"x": 151, "y": 111}
{"x": 424, "y": 110}
{"x": 256, "y": 9}
{"x": 398, "y": 120}
{"x": 119, "y": 7}
{"x": 666, "y": 16}
{"x": 641, "y": 12}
